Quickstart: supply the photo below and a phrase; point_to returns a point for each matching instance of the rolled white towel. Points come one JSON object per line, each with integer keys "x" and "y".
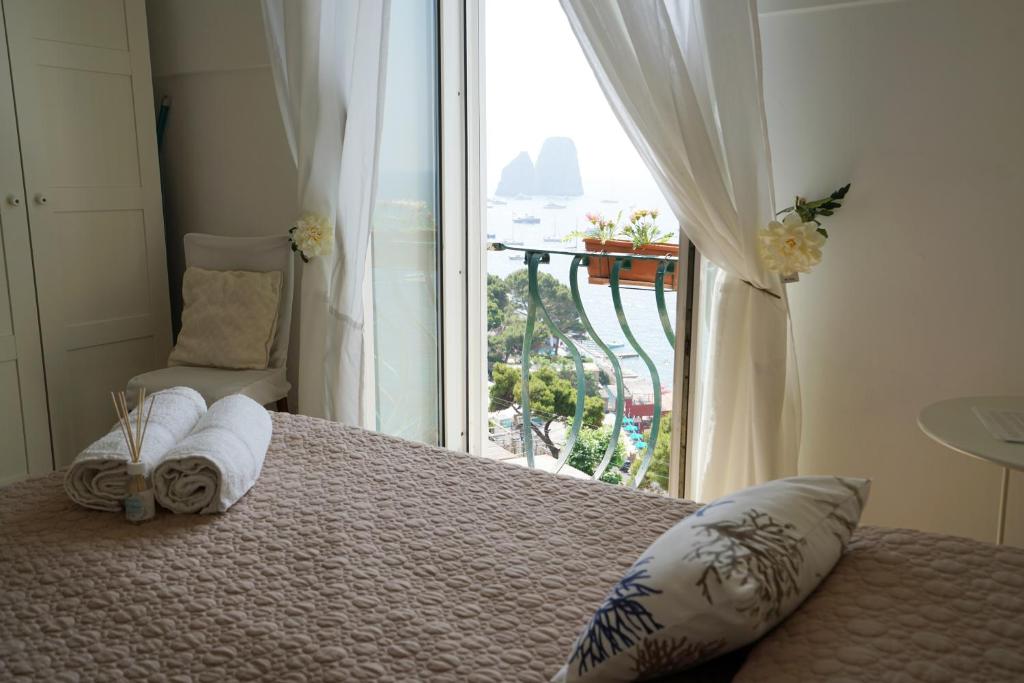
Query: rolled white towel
{"x": 98, "y": 479}
{"x": 218, "y": 462}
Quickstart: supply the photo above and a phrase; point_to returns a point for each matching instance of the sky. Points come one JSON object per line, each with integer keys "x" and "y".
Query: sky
{"x": 539, "y": 85}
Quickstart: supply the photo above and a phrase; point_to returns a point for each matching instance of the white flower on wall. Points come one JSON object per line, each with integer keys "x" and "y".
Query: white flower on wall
{"x": 313, "y": 235}
{"x": 791, "y": 247}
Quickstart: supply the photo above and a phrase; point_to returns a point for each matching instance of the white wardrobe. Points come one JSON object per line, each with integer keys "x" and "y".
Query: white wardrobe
{"x": 83, "y": 277}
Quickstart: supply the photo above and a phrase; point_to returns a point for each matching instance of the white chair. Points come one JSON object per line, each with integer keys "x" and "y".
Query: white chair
{"x": 260, "y": 254}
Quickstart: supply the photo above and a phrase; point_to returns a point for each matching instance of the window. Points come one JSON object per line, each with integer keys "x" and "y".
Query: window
{"x": 405, "y": 232}
{"x": 557, "y": 160}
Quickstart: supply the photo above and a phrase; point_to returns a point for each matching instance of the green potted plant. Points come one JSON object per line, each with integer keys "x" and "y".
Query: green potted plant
{"x": 641, "y": 235}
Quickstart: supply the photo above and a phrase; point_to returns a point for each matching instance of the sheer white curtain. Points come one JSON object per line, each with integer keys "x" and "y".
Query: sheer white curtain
{"x": 328, "y": 59}
{"x": 684, "y": 79}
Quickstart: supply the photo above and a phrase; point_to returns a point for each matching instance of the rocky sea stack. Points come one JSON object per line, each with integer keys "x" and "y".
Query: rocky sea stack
{"x": 557, "y": 172}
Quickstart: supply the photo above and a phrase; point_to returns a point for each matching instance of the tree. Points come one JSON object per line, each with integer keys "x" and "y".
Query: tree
{"x": 589, "y": 450}
{"x": 556, "y": 297}
{"x": 566, "y": 368}
{"x": 657, "y": 473}
{"x": 497, "y": 302}
{"x": 552, "y": 398}
{"x": 507, "y": 342}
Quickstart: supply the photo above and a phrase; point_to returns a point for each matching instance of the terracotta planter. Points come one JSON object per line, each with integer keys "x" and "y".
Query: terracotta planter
{"x": 642, "y": 271}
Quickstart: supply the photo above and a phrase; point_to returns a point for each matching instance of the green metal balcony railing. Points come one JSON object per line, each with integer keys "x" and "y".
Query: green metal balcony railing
{"x": 620, "y": 263}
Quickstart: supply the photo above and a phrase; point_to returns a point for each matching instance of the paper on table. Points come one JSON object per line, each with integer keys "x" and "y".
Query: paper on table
{"x": 1005, "y": 425}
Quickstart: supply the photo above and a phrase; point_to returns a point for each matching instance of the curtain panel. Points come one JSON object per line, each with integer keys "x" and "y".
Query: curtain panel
{"x": 684, "y": 80}
{"x": 328, "y": 59}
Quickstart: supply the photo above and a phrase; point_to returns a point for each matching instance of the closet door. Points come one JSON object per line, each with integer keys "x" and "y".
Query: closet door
{"x": 24, "y": 429}
{"x": 84, "y": 101}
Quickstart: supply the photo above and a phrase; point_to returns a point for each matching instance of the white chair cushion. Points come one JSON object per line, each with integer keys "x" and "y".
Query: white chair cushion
{"x": 719, "y": 579}
{"x": 262, "y": 386}
{"x": 229, "y": 319}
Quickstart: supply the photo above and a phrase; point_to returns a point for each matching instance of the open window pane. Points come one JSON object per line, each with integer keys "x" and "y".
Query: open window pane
{"x": 558, "y": 161}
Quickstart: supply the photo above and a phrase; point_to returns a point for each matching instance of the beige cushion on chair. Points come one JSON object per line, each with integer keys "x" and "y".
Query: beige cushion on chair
{"x": 262, "y": 386}
{"x": 229, "y": 319}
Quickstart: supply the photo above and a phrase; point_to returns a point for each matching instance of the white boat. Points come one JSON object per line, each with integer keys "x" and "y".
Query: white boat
{"x": 492, "y": 235}
{"x": 552, "y": 238}
{"x": 553, "y": 205}
{"x": 529, "y": 219}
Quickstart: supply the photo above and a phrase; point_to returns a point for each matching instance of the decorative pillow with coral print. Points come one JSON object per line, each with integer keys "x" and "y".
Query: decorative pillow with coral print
{"x": 719, "y": 579}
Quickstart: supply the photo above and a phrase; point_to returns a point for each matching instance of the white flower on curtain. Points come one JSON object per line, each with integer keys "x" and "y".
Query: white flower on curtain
{"x": 791, "y": 246}
{"x": 794, "y": 245}
{"x": 312, "y": 236}
{"x": 328, "y": 59}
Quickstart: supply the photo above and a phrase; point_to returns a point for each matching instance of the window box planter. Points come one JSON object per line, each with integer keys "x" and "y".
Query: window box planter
{"x": 641, "y": 271}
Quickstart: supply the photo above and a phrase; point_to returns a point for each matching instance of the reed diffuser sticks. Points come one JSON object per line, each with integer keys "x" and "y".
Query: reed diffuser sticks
{"x": 134, "y": 437}
{"x": 139, "y": 503}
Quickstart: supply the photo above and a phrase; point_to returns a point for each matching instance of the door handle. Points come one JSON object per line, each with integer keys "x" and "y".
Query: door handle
{"x": 14, "y": 200}
{"x": 41, "y": 199}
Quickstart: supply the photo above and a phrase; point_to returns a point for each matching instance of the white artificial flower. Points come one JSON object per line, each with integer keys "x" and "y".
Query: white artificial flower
{"x": 313, "y": 235}
{"x": 791, "y": 246}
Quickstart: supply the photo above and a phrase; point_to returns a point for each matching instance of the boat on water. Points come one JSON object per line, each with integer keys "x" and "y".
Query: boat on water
{"x": 553, "y": 205}
{"x": 552, "y": 238}
{"x": 496, "y": 202}
{"x": 615, "y": 343}
{"x": 514, "y": 243}
{"x": 527, "y": 218}
{"x": 609, "y": 201}
{"x": 491, "y": 235}
{"x": 627, "y": 354}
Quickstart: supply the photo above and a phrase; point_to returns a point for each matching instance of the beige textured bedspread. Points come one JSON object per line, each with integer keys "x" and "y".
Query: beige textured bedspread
{"x": 900, "y": 607}
{"x": 358, "y": 557}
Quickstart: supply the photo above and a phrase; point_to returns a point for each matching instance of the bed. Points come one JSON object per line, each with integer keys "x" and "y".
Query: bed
{"x": 360, "y": 557}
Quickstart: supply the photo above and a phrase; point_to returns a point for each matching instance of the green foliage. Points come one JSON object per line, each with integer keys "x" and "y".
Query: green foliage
{"x": 593, "y": 411}
{"x": 589, "y": 451}
{"x": 552, "y": 380}
{"x": 643, "y": 229}
{"x": 497, "y": 302}
{"x": 566, "y": 368}
{"x": 657, "y": 473}
{"x": 809, "y": 211}
{"x": 601, "y": 228}
{"x": 507, "y": 342}
{"x": 612, "y": 476}
{"x": 556, "y": 297}
{"x": 551, "y": 395}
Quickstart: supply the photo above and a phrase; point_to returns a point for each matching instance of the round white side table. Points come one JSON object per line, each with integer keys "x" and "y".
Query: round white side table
{"x": 954, "y": 424}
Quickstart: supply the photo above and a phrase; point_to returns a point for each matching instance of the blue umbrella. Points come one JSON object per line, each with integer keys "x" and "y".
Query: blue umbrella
{"x": 640, "y": 444}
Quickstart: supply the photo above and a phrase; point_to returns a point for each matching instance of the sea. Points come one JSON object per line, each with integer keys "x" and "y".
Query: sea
{"x": 560, "y": 216}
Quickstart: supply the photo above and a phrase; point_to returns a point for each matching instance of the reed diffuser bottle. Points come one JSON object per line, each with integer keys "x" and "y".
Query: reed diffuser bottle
{"x": 139, "y": 503}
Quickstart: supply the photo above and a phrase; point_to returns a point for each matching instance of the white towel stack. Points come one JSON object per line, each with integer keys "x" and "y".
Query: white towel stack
{"x": 98, "y": 479}
{"x": 218, "y": 462}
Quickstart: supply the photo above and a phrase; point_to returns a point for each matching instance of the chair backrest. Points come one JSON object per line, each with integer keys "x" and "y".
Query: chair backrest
{"x": 259, "y": 254}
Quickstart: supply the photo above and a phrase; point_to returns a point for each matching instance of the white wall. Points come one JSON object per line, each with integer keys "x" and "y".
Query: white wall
{"x": 920, "y": 104}
{"x": 225, "y": 164}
